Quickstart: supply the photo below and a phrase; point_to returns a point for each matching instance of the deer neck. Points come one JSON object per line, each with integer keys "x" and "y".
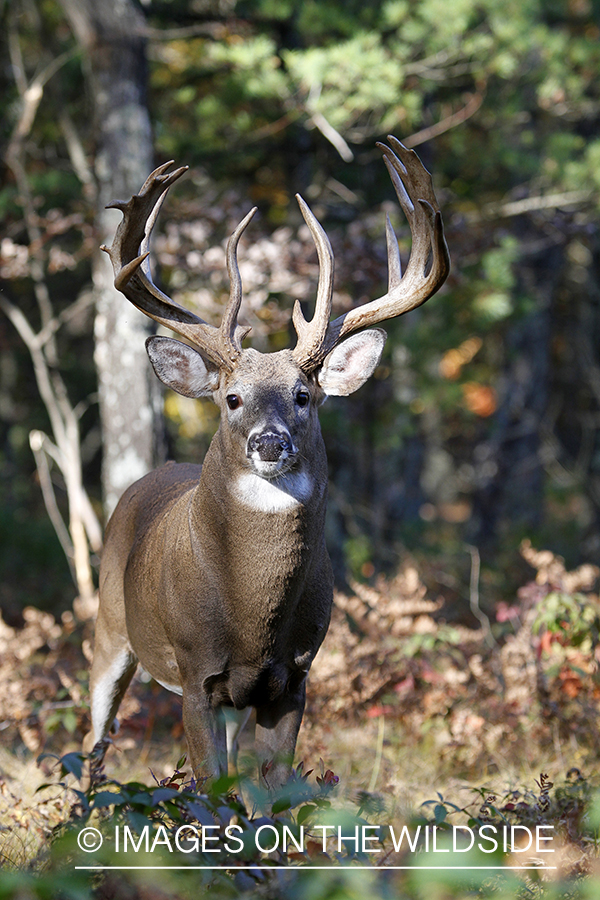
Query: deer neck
{"x": 233, "y": 491}
{"x": 263, "y": 532}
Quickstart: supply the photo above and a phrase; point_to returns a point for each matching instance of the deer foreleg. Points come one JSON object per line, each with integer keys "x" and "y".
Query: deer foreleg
{"x": 235, "y": 721}
{"x": 277, "y": 727}
{"x": 204, "y": 727}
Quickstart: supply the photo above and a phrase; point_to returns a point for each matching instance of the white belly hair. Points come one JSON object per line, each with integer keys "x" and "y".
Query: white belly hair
{"x": 175, "y": 688}
{"x": 273, "y": 494}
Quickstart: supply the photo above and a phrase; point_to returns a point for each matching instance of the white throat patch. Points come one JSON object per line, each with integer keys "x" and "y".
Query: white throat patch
{"x": 275, "y": 494}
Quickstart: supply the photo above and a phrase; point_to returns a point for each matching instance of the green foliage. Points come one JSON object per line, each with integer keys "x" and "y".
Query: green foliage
{"x": 441, "y": 639}
{"x": 574, "y": 618}
{"x": 150, "y": 823}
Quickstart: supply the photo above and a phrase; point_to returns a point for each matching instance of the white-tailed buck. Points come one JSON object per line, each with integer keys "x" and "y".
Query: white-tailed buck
{"x": 216, "y": 578}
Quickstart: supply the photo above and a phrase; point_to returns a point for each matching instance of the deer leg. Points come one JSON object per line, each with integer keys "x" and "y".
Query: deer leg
{"x": 235, "y": 721}
{"x": 277, "y": 727}
{"x": 112, "y": 669}
{"x": 204, "y": 727}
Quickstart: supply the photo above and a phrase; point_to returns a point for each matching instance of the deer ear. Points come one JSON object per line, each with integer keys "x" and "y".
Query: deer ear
{"x": 349, "y": 364}
{"x": 181, "y": 367}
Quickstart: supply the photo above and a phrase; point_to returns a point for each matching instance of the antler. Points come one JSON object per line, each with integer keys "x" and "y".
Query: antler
{"x": 427, "y": 268}
{"x": 129, "y": 257}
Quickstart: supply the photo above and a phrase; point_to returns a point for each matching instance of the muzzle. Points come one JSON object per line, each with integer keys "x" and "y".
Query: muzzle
{"x": 269, "y": 446}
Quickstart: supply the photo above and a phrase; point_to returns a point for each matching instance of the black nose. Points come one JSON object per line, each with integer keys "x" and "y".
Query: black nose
{"x": 269, "y": 445}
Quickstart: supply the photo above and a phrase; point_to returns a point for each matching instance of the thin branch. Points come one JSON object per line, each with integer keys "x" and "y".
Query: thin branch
{"x": 275, "y": 127}
{"x": 457, "y": 118}
{"x": 532, "y": 204}
{"x": 37, "y": 441}
{"x": 325, "y": 127}
{"x": 78, "y": 306}
{"x": 333, "y": 136}
{"x": 474, "y": 597}
{"x": 77, "y": 155}
{"x": 546, "y": 201}
{"x": 424, "y": 66}
{"x": 40, "y": 366}
{"x": 31, "y": 98}
{"x": 91, "y": 523}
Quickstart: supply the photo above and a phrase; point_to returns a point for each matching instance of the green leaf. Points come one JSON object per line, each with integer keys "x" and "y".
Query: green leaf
{"x": 72, "y": 764}
{"x": 440, "y": 812}
{"x": 160, "y": 795}
{"x": 304, "y": 812}
{"x": 103, "y": 799}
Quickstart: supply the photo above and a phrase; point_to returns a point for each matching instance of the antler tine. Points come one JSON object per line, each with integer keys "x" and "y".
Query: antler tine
{"x": 311, "y": 335}
{"x": 421, "y": 217}
{"x": 429, "y": 261}
{"x": 129, "y": 254}
{"x": 232, "y": 333}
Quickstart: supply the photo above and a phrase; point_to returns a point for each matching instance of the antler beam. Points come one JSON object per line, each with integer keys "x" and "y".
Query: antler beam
{"x": 129, "y": 254}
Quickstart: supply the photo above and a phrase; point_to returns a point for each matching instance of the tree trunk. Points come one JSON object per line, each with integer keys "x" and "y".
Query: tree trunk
{"x": 110, "y": 33}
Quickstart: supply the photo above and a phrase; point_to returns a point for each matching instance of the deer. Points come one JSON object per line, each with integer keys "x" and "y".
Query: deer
{"x": 215, "y": 577}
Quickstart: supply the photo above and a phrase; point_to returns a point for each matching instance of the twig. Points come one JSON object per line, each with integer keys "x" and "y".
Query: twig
{"x": 423, "y": 67}
{"x": 457, "y": 118}
{"x": 533, "y": 204}
{"x": 474, "y": 597}
{"x": 325, "y": 127}
{"x": 333, "y": 136}
{"x": 36, "y": 442}
{"x": 77, "y": 155}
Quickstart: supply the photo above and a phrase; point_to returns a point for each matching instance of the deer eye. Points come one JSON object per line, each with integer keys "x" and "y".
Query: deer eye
{"x": 302, "y": 398}
{"x": 233, "y": 401}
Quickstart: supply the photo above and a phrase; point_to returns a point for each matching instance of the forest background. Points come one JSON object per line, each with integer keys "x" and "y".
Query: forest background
{"x": 478, "y": 436}
{"x": 481, "y": 425}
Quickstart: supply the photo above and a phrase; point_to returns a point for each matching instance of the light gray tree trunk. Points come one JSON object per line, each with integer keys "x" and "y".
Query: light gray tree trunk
{"x": 110, "y": 33}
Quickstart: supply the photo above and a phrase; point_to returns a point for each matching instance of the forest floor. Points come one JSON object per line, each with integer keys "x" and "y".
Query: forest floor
{"x": 412, "y": 718}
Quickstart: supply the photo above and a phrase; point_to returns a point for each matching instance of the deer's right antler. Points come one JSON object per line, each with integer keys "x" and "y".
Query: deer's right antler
{"x": 129, "y": 254}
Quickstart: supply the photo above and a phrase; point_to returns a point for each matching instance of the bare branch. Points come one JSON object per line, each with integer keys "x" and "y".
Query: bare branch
{"x": 424, "y": 67}
{"x": 38, "y": 442}
{"x": 40, "y": 366}
{"x": 77, "y": 155}
{"x": 457, "y": 118}
{"x": 325, "y": 127}
{"x": 333, "y": 136}
{"x": 31, "y": 98}
{"x": 533, "y": 204}
{"x": 84, "y": 529}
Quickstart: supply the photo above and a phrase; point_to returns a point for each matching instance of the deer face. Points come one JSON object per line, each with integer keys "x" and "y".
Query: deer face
{"x": 268, "y": 403}
{"x": 269, "y": 406}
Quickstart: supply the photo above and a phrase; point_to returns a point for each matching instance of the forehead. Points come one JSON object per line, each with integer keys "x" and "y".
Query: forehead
{"x": 273, "y": 369}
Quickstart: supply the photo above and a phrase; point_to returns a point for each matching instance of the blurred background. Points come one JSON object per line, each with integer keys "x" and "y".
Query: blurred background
{"x": 480, "y": 427}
